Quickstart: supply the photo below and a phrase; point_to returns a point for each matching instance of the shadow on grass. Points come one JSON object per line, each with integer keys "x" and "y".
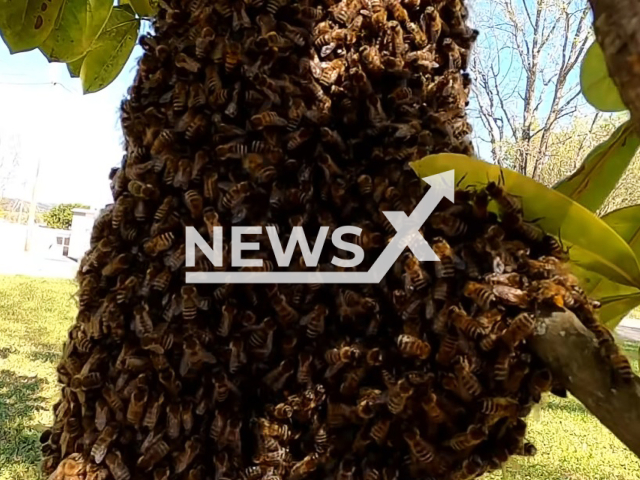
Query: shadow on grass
{"x": 6, "y": 351}
{"x": 51, "y": 356}
{"x": 564, "y": 405}
{"x": 20, "y": 399}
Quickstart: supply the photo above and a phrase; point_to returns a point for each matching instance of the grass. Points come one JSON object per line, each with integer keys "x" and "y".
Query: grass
{"x": 35, "y": 315}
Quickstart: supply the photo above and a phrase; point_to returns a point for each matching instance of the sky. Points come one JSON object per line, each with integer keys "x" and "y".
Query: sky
{"x": 76, "y": 138}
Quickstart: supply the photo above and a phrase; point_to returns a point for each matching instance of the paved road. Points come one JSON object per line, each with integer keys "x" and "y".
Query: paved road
{"x": 629, "y": 329}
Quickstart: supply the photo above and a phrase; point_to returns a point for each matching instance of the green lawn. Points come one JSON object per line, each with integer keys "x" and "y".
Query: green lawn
{"x": 36, "y": 313}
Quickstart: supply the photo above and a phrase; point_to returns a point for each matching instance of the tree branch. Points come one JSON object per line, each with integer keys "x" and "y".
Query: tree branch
{"x": 571, "y": 352}
{"x": 616, "y": 25}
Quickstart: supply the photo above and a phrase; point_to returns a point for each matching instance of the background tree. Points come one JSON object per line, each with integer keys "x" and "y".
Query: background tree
{"x": 9, "y": 161}
{"x": 61, "y": 215}
{"x": 525, "y": 78}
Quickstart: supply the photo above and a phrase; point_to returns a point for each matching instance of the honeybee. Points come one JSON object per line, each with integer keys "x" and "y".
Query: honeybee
{"x": 410, "y": 346}
{"x": 520, "y": 328}
{"x": 285, "y": 312}
{"x": 398, "y": 11}
{"x": 104, "y": 440}
{"x": 153, "y": 454}
{"x": 469, "y": 326}
{"x": 511, "y": 295}
{"x": 116, "y": 465}
{"x": 622, "y": 367}
{"x": 467, "y": 380}
{"x": 541, "y": 382}
{"x": 448, "y": 349}
{"x": 232, "y": 54}
{"x": 474, "y": 435}
{"x": 267, "y": 119}
{"x": 501, "y": 369}
{"x": 398, "y": 395}
{"x": 418, "y": 35}
{"x": 159, "y": 243}
{"x": 481, "y": 294}
{"x": 277, "y": 377}
{"x": 186, "y": 456}
{"x": 434, "y": 412}
{"x": 332, "y": 71}
{"x": 507, "y": 202}
{"x": 314, "y": 321}
{"x": 420, "y": 448}
{"x": 445, "y": 268}
{"x": 305, "y": 466}
{"x": 154, "y": 409}
{"x": 137, "y": 404}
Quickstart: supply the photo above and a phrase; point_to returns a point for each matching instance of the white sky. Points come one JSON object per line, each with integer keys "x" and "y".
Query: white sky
{"x": 76, "y": 137}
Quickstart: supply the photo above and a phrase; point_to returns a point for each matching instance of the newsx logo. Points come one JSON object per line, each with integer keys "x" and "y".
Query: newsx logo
{"x": 407, "y": 235}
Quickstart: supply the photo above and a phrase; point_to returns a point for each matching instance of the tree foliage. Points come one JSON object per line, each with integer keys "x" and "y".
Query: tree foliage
{"x": 61, "y": 215}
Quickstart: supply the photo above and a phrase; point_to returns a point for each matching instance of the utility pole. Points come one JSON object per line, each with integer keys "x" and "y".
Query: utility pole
{"x": 32, "y": 209}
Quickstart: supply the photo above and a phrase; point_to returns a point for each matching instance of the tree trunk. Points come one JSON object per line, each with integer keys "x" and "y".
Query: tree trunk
{"x": 616, "y": 24}
{"x": 572, "y": 353}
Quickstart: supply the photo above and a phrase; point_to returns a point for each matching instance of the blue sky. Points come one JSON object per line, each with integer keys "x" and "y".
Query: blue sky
{"x": 76, "y": 137}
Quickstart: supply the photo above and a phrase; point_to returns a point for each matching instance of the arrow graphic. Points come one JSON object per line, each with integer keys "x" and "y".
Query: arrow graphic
{"x": 407, "y": 235}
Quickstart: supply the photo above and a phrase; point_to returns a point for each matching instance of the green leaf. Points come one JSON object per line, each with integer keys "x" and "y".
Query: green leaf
{"x": 78, "y": 25}
{"x": 626, "y": 223}
{"x": 614, "y": 309}
{"x": 110, "y": 51}
{"x": 591, "y": 184}
{"x": 599, "y": 248}
{"x": 597, "y": 86}
{"x": 25, "y": 24}
{"x": 144, "y": 8}
{"x": 74, "y": 67}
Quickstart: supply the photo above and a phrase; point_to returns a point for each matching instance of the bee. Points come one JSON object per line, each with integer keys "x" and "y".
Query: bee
{"x": 116, "y": 465}
{"x": 481, "y": 294}
{"x": 137, "y": 403}
{"x": 305, "y": 466}
{"x": 434, "y": 412}
{"x": 154, "y": 409}
{"x": 467, "y": 380}
{"x": 445, "y": 268}
{"x": 520, "y": 328}
{"x": 159, "y": 243}
{"x": 104, "y": 440}
{"x": 184, "y": 458}
{"x": 541, "y": 382}
{"x": 417, "y": 276}
{"x": 277, "y": 377}
{"x": 285, "y": 312}
{"x": 421, "y": 450}
{"x": 508, "y": 203}
{"x": 194, "y": 203}
{"x": 474, "y": 435}
{"x": 501, "y": 369}
{"x": 273, "y": 429}
{"x": 179, "y": 102}
{"x": 314, "y": 321}
{"x": 398, "y": 395}
{"x": 267, "y": 119}
{"x": 346, "y": 470}
{"x": 410, "y": 346}
{"x": 450, "y": 225}
{"x": 237, "y": 357}
{"x": 433, "y": 23}
{"x": 167, "y": 378}
{"x": 398, "y": 11}
{"x": 282, "y": 411}
{"x": 455, "y": 58}
{"x": 235, "y": 196}
{"x": 469, "y": 326}
{"x": 418, "y": 35}
{"x": 448, "y": 349}
{"x": 511, "y": 295}
{"x": 332, "y": 72}
{"x": 555, "y": 248}
{"x": 622, "y": 367}
{"x": 153, "y": 454}
{"x": 232, "y": 52}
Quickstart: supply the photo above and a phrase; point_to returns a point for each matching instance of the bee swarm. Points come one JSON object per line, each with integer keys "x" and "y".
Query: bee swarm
{"x": 271, "y": 112}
